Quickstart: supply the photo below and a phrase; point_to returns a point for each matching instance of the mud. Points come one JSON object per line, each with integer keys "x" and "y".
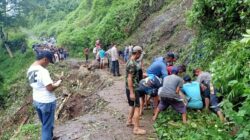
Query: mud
{"x": 106, "y": 122}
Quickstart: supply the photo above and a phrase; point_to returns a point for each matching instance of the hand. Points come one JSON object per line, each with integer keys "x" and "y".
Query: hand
{"x": 132, "y": 96}
{"x": 203, "y": 88}
{"x": 57, "y": 83}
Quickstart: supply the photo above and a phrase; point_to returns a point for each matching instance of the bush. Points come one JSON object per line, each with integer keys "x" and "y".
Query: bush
{"x": 231, "y": 74}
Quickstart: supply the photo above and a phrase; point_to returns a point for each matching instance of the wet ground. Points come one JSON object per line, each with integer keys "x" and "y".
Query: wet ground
{"x": 105, "y": 116}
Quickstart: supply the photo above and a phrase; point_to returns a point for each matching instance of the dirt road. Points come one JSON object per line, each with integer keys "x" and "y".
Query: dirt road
{"x": 106, "y": 119}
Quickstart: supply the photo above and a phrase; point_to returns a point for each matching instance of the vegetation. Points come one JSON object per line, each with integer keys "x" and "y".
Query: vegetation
{"x": 200, "y": 126}
{"x": 219, "y": 26}
{"x": 218, "y": 47}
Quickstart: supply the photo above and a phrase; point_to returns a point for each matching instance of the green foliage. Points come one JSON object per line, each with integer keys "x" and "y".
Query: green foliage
{"x": 231, "y": 73}
{"x": 228, "y": 18}
{"x": 12, "y": 70}
{"x": 200, "y": 126}
{"x": 29, "y": 132}
{"x": 107, "y": 20}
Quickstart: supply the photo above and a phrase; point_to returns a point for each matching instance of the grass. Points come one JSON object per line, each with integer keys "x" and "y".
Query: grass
{"x": 200, "y": 126}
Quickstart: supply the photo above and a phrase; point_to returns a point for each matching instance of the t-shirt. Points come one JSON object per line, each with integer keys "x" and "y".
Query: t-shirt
{"x": 102, "y": 53}
{"x": 204, "y": 77}
{"x": 114, "y": 54}
{"x": 158, "y": 68}
{"x": 170, "y": 84}
{"x": 169, "y": 69}
{"x": 39, "y": 78}
{"x": 86, "y": 51}
{"x": 95, "y": 50}
{"x": 193, "y": 94}
{"x": 132, "y": 68}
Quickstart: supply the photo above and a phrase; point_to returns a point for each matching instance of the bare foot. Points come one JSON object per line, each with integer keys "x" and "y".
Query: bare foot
{"x": 139, "y": 131}
{"x": 129, "y": 123}
{"x": 154, "y": 118}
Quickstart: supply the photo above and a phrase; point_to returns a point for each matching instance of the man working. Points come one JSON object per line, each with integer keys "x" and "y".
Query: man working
{"x": 44, "y": 99}
{"x": 193, "y": 93}
{"x": 159, "y": 69}
{"x": 169, "y": 95}
{"x": 132, "y": 94}
{"x": 208, "y": 91}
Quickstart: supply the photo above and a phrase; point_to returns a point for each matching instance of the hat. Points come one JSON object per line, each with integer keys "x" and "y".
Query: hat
{"x": 187, "y": 78}
{"x": 174, "y": 70}
{"x": 137, "y": 48}
{"x": 46, "y": 54}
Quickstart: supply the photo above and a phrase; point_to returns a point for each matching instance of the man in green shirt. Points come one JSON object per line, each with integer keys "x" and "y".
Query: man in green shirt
{"x": 132, "y": 73}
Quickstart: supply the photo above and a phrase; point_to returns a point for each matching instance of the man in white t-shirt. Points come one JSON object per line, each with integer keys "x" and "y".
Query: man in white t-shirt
{"x": 44, "y": 99}
{"x": 115, "y": 60}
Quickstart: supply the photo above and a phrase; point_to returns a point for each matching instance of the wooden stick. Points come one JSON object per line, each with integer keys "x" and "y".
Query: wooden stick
{"x": 61, "y": 107}
{"x": 20, "y": 127}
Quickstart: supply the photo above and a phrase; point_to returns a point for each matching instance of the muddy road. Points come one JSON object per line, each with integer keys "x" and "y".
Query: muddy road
{"x": 100, "y": 114}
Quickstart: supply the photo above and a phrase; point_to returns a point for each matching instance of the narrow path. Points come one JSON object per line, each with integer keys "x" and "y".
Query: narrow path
{"x": 107, "y": 123}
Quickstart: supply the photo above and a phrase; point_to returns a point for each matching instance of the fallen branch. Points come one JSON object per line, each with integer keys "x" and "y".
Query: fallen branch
{"x": 61, "y": 106}
{"x": 20, "y": 127}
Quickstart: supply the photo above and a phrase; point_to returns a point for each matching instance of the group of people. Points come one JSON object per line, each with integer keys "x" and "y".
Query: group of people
{"x": 166, "y": 85}
{"x": 162, "y": 83}
{"x": 59, "y": 53}
{"x": 103, "y": 58}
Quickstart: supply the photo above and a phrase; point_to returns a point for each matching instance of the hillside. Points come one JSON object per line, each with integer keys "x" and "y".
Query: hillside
{"x": 212, "y": 35}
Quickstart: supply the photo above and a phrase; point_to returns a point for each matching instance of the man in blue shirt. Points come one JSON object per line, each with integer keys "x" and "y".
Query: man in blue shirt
{"x": 193, "y": 93}
{"x": 102, "y": 56}
{"x": 159, "y": 66}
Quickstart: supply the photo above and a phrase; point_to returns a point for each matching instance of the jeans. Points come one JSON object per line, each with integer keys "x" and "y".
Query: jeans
{"x": 115, "y": 67}
{"x": 46, "y": 112}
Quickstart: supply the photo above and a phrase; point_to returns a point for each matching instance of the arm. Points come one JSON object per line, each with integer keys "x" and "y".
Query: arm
{"x": 177, "y": 90}
{"x": 51, "y": 87}
{"x": 164, "y": 72}
{"x": 130, "y": 86}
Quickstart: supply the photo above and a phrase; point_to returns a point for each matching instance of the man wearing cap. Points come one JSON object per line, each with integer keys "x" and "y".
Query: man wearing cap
{"x": 44, "y": 99}
{"x": 170, "y": 95}
{"x": 132, "y": 95}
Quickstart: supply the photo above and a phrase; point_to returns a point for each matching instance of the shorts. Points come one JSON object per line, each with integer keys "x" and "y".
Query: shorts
{"x": 131, "y": 103}
{"x": 214, "y": 105}
{"x": 142, "y": 90}
{"x": 178, "y": 106}
{"x": 102, "y": 60}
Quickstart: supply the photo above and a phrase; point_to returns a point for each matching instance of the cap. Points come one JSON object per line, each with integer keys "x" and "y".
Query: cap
{"x": 46, "y": 54}
{"x": 187, "y": 78}
{"x": 137, "y": 48}
{"x": 174, "y": 70}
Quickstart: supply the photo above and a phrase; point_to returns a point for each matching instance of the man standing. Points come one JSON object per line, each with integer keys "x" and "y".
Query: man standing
{"x": 132, "y": 94}
{"x": 96, "y": 48}
{"x": 101, "y": 54}
{"x": 115, "y": 63}
{"x": 86, "y": 53}
{"x": 44, "y": 99}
